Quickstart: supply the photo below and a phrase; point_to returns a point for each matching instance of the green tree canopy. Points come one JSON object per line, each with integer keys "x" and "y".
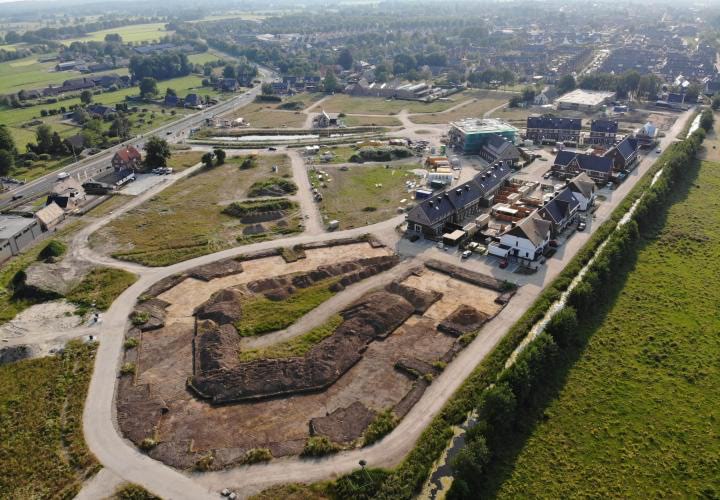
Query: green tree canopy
{"x": 148, "y": 87}
{"x": 157, "y": 152}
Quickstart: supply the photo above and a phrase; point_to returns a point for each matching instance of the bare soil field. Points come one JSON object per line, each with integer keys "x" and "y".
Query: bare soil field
{"x": 390, "y": 373}
{"x": 480, "y": 102}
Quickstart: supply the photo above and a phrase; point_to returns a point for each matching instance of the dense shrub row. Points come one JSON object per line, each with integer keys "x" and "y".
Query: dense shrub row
{"x": 382, "y": 153}
{"x": 512, "y": 399}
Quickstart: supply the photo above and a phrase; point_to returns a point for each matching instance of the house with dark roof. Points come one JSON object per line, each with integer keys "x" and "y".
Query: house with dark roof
{"x": 624, "y": 154}
{"x": 75, "y": 143}
{"x": 171, "y": 101}
{"x": 583, "y": 188}
{"x": 560, "y": 211}
{"x": 127, "y": 158}
{"x": 603, "y": 132}
{"x": 430, "y": 216}
{"x": 100, "y": 111}
{"x": 500, "y": 150}
{"x": 570, "y": 163}
{"x": 192, "y": 101}
{"x": 525, "y": 240}
{"x": 550, "y": 129}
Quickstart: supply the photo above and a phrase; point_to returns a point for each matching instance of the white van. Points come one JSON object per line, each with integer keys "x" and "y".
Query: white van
{"x": 62, "y": 176}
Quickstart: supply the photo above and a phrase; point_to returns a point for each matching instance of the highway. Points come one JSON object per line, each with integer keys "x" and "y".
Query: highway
{"x": 100, "y": 163}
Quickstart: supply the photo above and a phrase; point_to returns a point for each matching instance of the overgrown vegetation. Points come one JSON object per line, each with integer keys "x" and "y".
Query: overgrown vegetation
{"x": 257, "y": 455}
{"x": 319, "y": 446}
{"x": 243, "y": 208}
{"x": 295, "y": 347}
{"x": 133, "y": 492}
{"x": 42, "y": 449}
{"x": 101, "y": 287}
{"x": 262, "y": 315}
{"x": 274, "y": 186}
{"x": 383, "y": 423}
{"x": 381, "y": 153}
{"x": 52, "y": 251}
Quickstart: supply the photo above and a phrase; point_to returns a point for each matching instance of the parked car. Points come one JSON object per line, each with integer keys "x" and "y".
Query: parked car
{"x": 62, "y": 175}
{"x": 658, "y": 150}
{"x": 465, "y": 254}
{"x": 503, "y": 263}
{"x": 553, "y": 243}
{"x": 609, "y": 185}
{"x": 17, "y": 197}
{"x": 272, "y": 149}
{"x": 581, "y": 225}
{"x": 547, "y": 175}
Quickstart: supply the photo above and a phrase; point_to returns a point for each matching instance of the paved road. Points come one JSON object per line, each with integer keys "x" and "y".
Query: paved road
{"x": 124, "y": 460}
{"x": 100, "y": 163}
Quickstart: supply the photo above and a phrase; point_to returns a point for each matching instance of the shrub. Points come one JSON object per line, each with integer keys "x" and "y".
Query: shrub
{"x": 361, "y": 484}
{"x": 563, "y": 326}
{"x": 133, "y": 492}
{"x": 148, "y": 444}
{"x": 131, "y": 342}
{"x": 248, "y": 163}
{"x": 383, "y": 424}
{"x": 139, "y": 317}
{"x": 53, "y": 250}
{"x": 204, "y": 463}
{"x": 127, "y": 369}
{"x": 257, "y": 455}
{"x": 319, "y": 446}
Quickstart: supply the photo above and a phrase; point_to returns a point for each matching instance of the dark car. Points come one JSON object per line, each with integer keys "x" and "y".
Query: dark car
{"x": 272, "y": 149}
{"x": 17, "y": 197}
{"x": 553, "y": 243}
{"x": 582, "y": 225}
{"x": 503, "y": 263}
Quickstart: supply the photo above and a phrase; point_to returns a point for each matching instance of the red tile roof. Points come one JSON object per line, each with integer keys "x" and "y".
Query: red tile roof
{"x": 128, "y": 154}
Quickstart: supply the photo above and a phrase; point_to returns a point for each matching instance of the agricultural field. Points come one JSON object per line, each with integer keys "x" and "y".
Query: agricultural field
{"x": 204, "y": 57}
{"x": 637, "y": 415}
{"x": 341, "y": 103}
{"x": 475, "y": 106}
{"x": 186, "y": 220}
{"x": 354, "y": 196}
{"x": 42, "y": 448}
{"x": 135, "y": 33}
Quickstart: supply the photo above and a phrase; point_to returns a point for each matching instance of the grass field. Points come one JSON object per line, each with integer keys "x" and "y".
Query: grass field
{"x": 101, "y": 287}
{"x": 42, "y": 448}
{"x": 341, "y": 103}
{"x": 135, "y": 33}
{"x": 186, "y": 219}
{"x": 636, "y": 416}
{"x": 295, "y": 347}
{"x": 380, "y": 121}
{"x": 28, "y": 73}
{"x": 262, "y": 315}
{"x": 203, "y": 58}
{"x": 266, "y": 115}
{"x": 352, "y": 198}
{"x": 480, "y": 102}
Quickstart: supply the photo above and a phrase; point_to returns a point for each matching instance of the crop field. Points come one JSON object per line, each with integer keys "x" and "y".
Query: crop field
{"x": 636, "y": 416}
{"x": 42, "y": 448}
{"x": 135, "y": 33}
{"x": 363, "y": 195}
{"x": 480, "y": 103}
{"x": 186, "y": 220}
{"x": 341, "y": 103}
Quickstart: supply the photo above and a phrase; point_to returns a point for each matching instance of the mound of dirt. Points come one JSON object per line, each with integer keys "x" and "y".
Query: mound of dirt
{"x": 464, "y": 319}
{"x": 373, "y": 317}
{"x": 223, "y": 307}
{"x": 55, "y": 278}
{"x": 216, "y": 346}
{"x": 344, "y": 425}
{"x": 253, "y": 229}
{"x": 149, "y": 315}
{"x": 14, "y": 353}
{"x": 254, "y": 218}
{"x": 420, "y": 299}
{"x": 219, "y": 269}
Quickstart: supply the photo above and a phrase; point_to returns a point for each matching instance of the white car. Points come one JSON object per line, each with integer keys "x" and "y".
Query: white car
{"x": 465, "y": 254}
{"x": 62, "y": 175}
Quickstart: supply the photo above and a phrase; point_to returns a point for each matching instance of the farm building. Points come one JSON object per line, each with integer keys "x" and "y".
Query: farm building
{"x": 16, "y": 233}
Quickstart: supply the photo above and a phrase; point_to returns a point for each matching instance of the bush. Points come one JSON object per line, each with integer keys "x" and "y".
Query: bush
{"x": 361, "y": 484}
{"x": 248, "y": 163}
{"x": 383, "y": 153}
{"x": 127, "y": 369}
{"x": 243, "y": 208}
{"x": 148, "y": 444}
{"x": 319, "y": 446}
{"x": 131, "y": 342}
{"x": 563, "y": 326}
{"x": 52, "y": 251}
{"x": 383, "y": 424}
{"x": 139, "y": 317}
{"x": 257, "y": 455}
{"x": 133, "y": 492}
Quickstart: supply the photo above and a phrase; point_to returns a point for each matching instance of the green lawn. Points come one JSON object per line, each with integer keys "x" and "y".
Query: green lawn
{"x": 135, "y": 33}
{"x": 341, "y": 103}
{"x": 101, "y": 287}
{"x": 262, "y": 315}
{"x": 187, "y": 220}
{"x": 637, "y": 415}
{"x": 352, "y": 197}
{"x": 42, "y": 448}
{"x": 203, "y": 58}
{"x": 298, "y": 346}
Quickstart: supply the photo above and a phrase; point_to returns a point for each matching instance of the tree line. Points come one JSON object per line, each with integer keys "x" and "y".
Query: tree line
{"x": 161, "y": 66}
